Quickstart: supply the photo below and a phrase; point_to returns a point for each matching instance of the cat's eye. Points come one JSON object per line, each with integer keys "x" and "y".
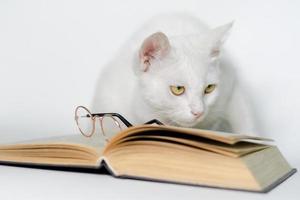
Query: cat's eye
{"x": 177, "y": 90}
{"x": 210, "y": 88}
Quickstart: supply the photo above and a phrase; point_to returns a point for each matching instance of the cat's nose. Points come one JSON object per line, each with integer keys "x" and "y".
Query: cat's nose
{"x": 197, "y": 114}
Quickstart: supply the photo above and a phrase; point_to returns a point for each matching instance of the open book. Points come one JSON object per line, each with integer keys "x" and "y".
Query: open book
{"x": 164, "y": 153}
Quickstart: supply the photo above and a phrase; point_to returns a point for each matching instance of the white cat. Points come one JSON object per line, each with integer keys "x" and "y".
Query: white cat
{"x": 170, "y": 70}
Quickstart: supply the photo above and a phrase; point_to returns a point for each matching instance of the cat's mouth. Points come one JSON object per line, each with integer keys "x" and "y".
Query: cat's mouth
{"x": 189, "y": 121}
{"x": 188, "y": 124}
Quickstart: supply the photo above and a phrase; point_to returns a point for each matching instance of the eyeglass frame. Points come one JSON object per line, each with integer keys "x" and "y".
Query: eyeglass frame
{"x": 111, "y": 115}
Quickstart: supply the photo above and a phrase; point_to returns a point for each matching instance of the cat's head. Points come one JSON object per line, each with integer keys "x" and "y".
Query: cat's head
{"x": 179, "y": 76}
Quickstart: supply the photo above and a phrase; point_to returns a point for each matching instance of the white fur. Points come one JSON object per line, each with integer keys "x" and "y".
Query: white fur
{"x": 193, "y": 62}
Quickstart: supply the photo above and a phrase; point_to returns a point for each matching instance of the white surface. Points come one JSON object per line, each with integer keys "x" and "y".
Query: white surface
{"x": 52, "y": 51}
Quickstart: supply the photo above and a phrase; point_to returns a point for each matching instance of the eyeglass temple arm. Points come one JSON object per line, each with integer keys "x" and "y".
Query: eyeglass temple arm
{"x": 154, "y": 121}
{"x": 127, "y": 123}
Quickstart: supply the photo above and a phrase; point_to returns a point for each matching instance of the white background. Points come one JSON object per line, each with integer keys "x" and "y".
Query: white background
{"x": 51, "y": 53}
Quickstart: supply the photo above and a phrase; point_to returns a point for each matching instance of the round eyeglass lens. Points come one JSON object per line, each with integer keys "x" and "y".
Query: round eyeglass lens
{"x": 84, "y": 121}
{"x": 109, "y": 126}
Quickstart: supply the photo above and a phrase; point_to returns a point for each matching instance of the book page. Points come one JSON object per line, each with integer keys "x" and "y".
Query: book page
{"x": 96, "y": 142}
{"x": 66, "y": 150}
{"x": 227, "y": 138}
{"x": 234, "y": 150}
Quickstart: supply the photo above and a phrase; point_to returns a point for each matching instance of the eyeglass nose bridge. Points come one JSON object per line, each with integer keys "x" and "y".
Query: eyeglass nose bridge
{"x": 102, "y": 125}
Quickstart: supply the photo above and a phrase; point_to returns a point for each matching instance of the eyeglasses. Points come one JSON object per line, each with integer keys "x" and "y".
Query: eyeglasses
{"x": 109, "y": 122}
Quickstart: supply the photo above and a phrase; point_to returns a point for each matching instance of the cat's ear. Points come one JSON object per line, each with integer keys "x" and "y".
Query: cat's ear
{"x": 220, "y": 34}
{"x": 156, "y": 46}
